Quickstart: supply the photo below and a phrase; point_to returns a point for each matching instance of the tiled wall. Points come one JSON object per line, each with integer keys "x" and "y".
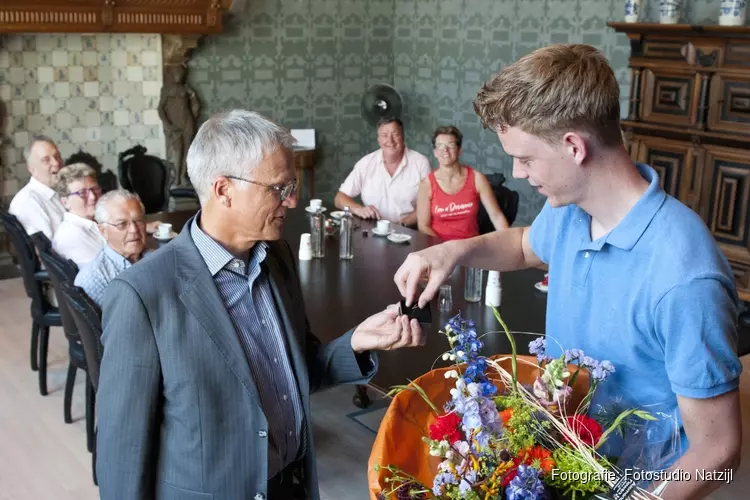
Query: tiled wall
{"x": 98, "y": 93}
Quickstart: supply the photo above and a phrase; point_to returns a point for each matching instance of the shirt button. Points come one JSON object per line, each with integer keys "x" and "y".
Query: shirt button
{"x": 276, "y": 360}
{"x": 262, "y": 434}
{"x": 290, "y": 433}
{"x": 263, "y": 322}
{"x": 284, "y": 397}
{"x": 586, "y": 255}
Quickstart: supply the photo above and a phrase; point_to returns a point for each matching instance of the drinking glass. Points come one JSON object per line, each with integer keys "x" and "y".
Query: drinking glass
{"x": 445, "y": 299}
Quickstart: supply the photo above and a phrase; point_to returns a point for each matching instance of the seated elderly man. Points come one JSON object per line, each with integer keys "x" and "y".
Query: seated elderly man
{"x": 387, "y": 179}
{"x": 37, "y": 206}
{"x": 78, "y": 237}
{"x": 122, "y": 223}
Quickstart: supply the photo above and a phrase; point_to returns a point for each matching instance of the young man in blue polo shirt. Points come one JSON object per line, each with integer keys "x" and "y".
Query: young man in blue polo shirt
{"x": 635, "y": 276}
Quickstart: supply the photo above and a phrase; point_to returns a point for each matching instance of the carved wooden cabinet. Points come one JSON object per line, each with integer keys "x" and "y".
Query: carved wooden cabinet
{"x": 689, "y": 117}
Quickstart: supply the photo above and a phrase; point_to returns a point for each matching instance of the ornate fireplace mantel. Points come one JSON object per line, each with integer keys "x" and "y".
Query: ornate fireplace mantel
{"x": 185, "y": 17}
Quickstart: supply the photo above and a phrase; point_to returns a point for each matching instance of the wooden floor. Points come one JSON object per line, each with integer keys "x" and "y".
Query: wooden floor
{"x": 42, "y": 458}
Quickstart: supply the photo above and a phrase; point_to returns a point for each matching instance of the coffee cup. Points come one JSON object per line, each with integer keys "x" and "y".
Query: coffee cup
{"x": 316, "y": 203}
{"x": 164, "y": 230}
{"x": 384, "y": 226}
{"x": 305, "y": 247}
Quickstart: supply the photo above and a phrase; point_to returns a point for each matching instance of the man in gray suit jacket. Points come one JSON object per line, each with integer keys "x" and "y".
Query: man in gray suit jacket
{"x": 209, "y": 360}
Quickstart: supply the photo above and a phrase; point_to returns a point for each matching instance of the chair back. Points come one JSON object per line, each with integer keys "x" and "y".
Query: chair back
{"x": 41, "y": 242}
{"x": 88, "y": 318}
{"x": 107, "y": 180}
{"x": 507, "y": 199}
{"x": 61, "y": 271}
{"x": 147, "y": 176}
{"x": 28, "y": 262}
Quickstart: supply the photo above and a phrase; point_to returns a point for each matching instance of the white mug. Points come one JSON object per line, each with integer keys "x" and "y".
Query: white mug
{"x": 164, "y": 230}
{"x": 384, "y": 226}
{"x": 632, "y": 11}
{"x": 316, "y": 203}
{"x": 305, "y": 247}
{"x": 669, "y": 11}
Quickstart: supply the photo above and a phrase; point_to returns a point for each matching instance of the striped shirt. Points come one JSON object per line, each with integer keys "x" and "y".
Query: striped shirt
{"x": 246, "y": 292}
{"x": 96, "y": 275}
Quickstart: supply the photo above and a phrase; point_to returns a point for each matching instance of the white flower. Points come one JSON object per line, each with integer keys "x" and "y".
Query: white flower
{"x": 446, "y": 356}
{"x": 460, "y": 354}
{"x": 453, "y": 357}
{"x": 451, "y": 374}
{"x": 449, "y": 454}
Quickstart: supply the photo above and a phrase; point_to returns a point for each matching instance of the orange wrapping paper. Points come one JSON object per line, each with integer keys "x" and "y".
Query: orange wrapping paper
{"x": 407, "y": 420}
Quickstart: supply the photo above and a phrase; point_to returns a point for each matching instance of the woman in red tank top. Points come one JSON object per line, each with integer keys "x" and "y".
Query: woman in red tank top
{"x": 448, "y": 199}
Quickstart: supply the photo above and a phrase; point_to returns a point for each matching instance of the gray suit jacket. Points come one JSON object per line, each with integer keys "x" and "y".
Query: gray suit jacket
{"x": 179, "y": 416}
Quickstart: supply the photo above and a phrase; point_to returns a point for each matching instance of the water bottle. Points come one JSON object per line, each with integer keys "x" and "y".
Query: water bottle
{"x": 494, "y": 292}
{"x": 318, "y": 234}
{"x": 473, "y": 285}
{"x": 346, "y": 250}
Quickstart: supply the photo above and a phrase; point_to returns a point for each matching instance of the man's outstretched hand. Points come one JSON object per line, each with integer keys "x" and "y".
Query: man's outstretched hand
{"x": 386, "y": 331}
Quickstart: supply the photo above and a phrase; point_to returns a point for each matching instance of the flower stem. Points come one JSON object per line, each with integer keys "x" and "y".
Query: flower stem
{"x": 512, "y": 347}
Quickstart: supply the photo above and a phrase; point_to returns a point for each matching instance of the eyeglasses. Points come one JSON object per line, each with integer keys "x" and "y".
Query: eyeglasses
{"x": 446, "y": 145}
{"x": 84, "y": 193}
{"x": 124, "y": 225}
{"x": 283, "y": 191}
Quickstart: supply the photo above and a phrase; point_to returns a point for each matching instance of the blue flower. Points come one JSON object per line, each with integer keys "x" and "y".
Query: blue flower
{"x": 602, "y": 371}
{"x": 441, "y": 479}
{"x": 526, "y": 485}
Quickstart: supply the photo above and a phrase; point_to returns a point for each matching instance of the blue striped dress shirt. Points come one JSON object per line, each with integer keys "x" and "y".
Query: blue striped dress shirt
{"x": 246, "y": 292}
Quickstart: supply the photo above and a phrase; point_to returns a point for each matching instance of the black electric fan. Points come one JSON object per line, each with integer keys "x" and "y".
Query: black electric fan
{"x": 380, "y": 101}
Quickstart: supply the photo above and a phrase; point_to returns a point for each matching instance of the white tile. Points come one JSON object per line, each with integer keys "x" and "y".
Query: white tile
{"x": 79, "y": 134}
{"x": 11, "y": 186}
{"x": 13, "y": 43}
{"x": 106, "y": 103}
{"x": 46, "y": 74}
{"x": 119, "y": 58}
{"x": 62, "y": 90}
{"x": 21, "y": 139}
{"x": 4, "y": 92}
{"x": 120, "y": 88}
{"x": 4, "y": 59}
{"x": 151, "y": 117}
{"x": 108, "y": 134}
{"x": 94, "y": 148}
{"x": 47, "y": 106}
{"x": 18, "y": 107}
{"x": 133, "y": 42}
{"x": 123, "y": 144}
{"x": 75, "y": 74}
{"x": 135, "y": 74}
{"x": 36, "y": 123}
{"x": 17, "y": 76}
{"x": 93, "y": 119}
{"x": 64, "y": 119}
{"x": 30, "y": 60}
{"x": 150, "y": 58}
{"x": 90, "y": 58}
{"x": 74, "y": 42}
{"x": 122, "y": 117}
{"x": 45, "y": 42}
{"x": 59, "y": 58}
{"x": 103, "y": 41}
{"x": 155, "y": 147}
{"x": 104, "y": 74}
{"x": 137, "y": 132}
{"x": 91, "y": 89}
{"x": 151, "y": 88}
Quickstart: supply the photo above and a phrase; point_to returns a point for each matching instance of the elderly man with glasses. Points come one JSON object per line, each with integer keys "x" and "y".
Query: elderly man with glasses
{"x": 78, "y": 237}
{"x": 209, "y": 360}
{"x": 122, "y": 223}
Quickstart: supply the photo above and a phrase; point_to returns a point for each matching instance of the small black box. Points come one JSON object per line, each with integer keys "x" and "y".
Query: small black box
{"x": 423, "y": 315}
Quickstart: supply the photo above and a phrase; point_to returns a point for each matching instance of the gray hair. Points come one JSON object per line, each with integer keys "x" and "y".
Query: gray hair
{"x": 102, "y": 214}
{"x": 232, "y": 143}
{"x": 32, "y": 143}
{"x": 71, "y": 173}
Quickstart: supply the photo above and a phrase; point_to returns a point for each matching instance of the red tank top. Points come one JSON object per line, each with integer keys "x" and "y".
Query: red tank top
{"x": 454, "y": 216}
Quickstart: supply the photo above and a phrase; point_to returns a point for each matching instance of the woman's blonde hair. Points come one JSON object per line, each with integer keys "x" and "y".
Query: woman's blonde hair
{"x": 553, "y": 90}
{"x": 71, "y": 173}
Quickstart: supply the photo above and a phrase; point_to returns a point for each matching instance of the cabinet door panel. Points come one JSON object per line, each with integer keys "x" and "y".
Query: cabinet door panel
{"x": 678, "y": 165}
{"x": 670, "y": 98}
{"x": 729, "y": 110}
{"x": 726, "y": 192}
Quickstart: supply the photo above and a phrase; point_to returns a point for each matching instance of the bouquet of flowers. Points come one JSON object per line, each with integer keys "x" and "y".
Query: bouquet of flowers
{"x": 513, "y": 427}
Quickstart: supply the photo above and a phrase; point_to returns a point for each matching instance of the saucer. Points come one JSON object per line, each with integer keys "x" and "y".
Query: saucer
{"x": 336, "y": 214}
{"x": 541, "y": 287}
{"x": 377, "y": 232}
{"x": 311, "y": 210}
{"x": 399, "y": 237}
{"x": 165, "y": 238}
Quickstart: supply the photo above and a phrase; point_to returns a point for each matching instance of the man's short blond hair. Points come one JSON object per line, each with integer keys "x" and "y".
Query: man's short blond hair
{"x": 71, "y": 173}
{"x": 554, "y": 90}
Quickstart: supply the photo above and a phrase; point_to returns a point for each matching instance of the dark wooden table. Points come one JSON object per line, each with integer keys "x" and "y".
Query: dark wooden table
{"x": 339, "y": 294}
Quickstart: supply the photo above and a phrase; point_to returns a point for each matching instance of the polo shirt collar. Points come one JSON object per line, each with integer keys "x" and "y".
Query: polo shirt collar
{"x": 630, "y": 229}
{"x": 42, "y": 189}
{"x": 79, "y": 221}
{"x": 401, "y": 165}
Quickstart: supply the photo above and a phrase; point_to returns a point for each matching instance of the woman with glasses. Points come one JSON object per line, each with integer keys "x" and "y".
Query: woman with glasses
{"x": 78, "y": 237}
{"x": 448, "y": 199}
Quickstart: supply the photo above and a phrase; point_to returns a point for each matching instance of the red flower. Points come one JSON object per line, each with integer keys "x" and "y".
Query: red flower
{"x": 587, "y": 429}
{"x": 446, "y": 427}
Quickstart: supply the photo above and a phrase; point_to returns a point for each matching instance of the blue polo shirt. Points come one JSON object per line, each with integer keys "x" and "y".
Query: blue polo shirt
{"x": 655, "y": 296}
